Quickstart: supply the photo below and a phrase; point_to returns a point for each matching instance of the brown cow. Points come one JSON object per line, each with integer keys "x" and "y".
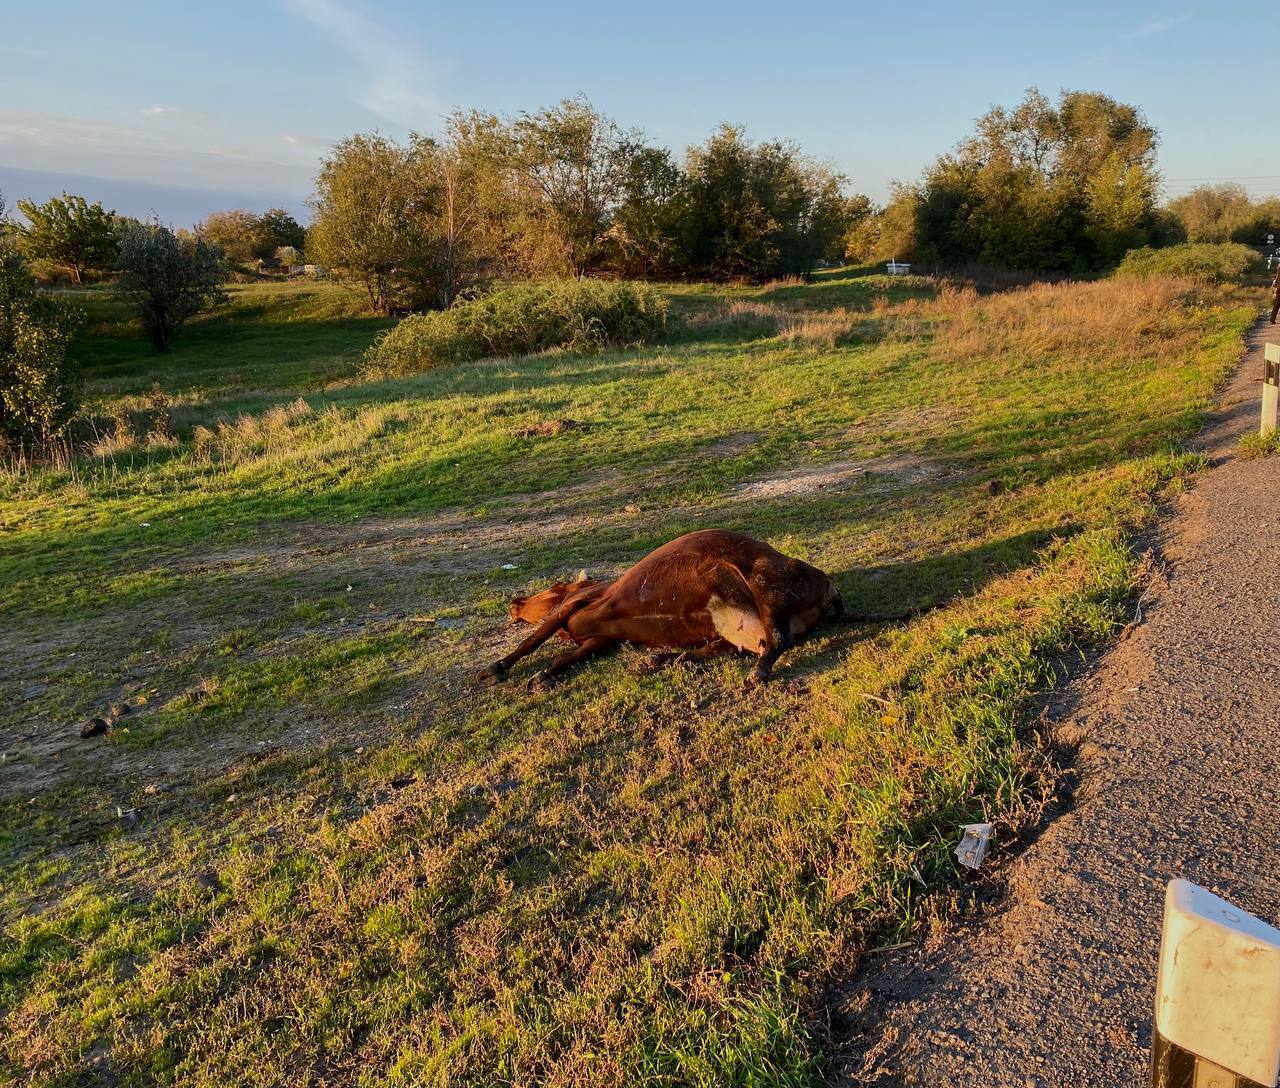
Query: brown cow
{"x": 705, "y": 593}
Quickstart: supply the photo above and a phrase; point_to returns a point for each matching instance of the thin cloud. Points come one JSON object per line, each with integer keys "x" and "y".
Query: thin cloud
{"x": 82, "y": 145}
{"x": 159, "y": 111}
{"x": 395, "y": 86}
{"x": 1159, "y": 26}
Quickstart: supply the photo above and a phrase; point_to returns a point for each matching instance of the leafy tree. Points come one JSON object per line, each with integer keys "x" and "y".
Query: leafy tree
{"x": 244, "y": 237}
{"x": 751, "y": 211}
{"x": 572, "y": 165}
{"x": 1222, "y": 213}
{"x": 276, "y": 228}
{"x": 1069, "y": 186}
{"x": 646, "y": 233}
{"x": 69, "y": 232}
{"x": 887, "y": 233}
{"x": 465, "y": 205}
{"x": 368, "y": 223}
{"x": 39, "y": 384}
{"x": 1120, "y": 202}
{"x": 169, "y": 279}
{"x": 234, "y": 233}
{"x": 818, "y": 233}
{"x": 1263, "y": 219}
{"x": 566, "y": 191}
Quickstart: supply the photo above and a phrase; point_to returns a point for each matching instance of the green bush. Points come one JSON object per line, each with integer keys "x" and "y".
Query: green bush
{"x": 582, "y": 315}
{"x": 39, "y": 384}
{"x": 1207, "y": 262}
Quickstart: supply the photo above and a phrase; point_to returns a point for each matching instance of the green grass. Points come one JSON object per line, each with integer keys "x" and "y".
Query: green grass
{"x": 350, "y": 863}
{"x": 269, "y": 337}
{"x": 1255, "y": 444}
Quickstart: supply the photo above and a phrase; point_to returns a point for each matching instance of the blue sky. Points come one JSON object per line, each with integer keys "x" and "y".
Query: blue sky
{"x": 185, "y": 108}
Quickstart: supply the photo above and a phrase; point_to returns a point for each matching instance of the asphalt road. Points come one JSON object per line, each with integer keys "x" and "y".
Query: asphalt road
{"x": 1176, "y": 732}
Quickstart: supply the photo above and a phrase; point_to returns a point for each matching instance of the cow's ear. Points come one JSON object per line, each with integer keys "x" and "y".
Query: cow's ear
{"x": 582, "y": 575}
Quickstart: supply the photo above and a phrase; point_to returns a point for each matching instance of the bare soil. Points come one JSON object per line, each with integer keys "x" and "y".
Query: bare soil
{"x": 839, "y": 475}
{"x": 1045, "y": 975}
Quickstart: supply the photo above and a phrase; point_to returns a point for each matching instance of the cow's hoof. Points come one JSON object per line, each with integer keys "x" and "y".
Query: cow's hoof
{"x": 491, "y": 674}
{"x": 540, "y": 682}
{"x": 755, "y": 678}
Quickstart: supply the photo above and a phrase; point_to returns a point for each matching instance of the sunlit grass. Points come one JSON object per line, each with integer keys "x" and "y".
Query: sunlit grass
{"x": 353, "y": 865}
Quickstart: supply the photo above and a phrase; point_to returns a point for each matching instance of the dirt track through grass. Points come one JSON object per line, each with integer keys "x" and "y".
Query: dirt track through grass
{"x": 347, "y": 861}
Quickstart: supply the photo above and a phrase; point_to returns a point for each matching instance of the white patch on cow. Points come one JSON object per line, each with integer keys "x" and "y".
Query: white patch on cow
{"x": 737, "y": 625}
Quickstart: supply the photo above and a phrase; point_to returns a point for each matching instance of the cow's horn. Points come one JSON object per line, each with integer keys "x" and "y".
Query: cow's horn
{"x": 582, "y": 575}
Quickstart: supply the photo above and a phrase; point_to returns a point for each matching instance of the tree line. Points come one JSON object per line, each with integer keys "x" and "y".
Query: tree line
{"x": 1068, "y": 187}
{"x": 68, "y": 236}
{"x": 566, "y": 191}
{"x": 1225, "y": 213}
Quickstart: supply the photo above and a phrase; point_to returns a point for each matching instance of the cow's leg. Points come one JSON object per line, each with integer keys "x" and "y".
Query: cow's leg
{"x": 592, "y": 646}
{"x": 714, "y": 648}
{"x": 555, "y": 620}
{"x": 778, "y": 639}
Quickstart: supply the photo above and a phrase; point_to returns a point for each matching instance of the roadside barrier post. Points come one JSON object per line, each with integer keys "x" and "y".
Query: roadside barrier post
{"x": 1270, "y": 386}
{"x": 1217, "y": 995}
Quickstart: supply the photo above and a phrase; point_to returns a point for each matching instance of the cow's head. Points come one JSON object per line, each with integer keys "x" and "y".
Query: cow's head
{"x": 533, "y": 609}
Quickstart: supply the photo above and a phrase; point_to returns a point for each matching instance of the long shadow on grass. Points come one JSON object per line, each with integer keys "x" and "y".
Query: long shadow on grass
{"x": 891, "y": 589}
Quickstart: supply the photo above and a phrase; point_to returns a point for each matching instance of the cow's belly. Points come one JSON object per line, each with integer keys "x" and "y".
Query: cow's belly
{"x": 737, "y": 624}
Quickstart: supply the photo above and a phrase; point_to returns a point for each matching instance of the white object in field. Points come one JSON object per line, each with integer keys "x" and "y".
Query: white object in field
{"x": 1218, "y": 991}
{"x": 1270, "y": 387}
{"x": 973, "y": 847}
{"x": 899, "y": 268}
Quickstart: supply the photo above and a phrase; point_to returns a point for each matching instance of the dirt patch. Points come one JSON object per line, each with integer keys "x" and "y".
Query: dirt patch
{"x": 548, "y": 428}
{"x": 732, "y": 445}
{"x": 905, "y": 470}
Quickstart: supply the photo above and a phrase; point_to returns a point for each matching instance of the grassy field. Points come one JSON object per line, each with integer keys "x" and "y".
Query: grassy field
{"x": 314, "y": 851}
{"x": 270, "y": 338}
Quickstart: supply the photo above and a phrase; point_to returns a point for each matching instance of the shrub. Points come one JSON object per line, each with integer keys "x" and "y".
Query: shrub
{"x": 1202, "y": 261}
{"x": 39, "y": 385}
{"x": 169, "y": 279}
{"x": 582, "y": 315}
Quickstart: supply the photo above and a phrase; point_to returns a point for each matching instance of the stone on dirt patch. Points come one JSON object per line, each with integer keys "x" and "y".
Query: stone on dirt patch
{"x": 94, "y": 727}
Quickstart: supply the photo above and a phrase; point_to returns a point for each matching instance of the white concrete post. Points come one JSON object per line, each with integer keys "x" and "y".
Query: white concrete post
{"x": 1270, "y": 386}
{"x": 1217, "y": 995}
